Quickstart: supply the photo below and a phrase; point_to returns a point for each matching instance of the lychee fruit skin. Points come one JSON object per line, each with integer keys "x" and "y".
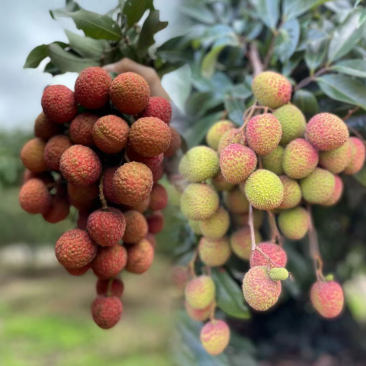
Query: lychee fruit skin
{"x": 216, "y": 131}
{"x": 291, "y": 192}
{"x": 326, "y": 131}
{"x": 300, "y": 159}
{"x": 199, "y": 315}
{"x": 141, "y": 206}
{"x": 294, "y": 223}
{"x": 54, "y": 149}
{"x": 195, "y": 226}
{"x": 260, "y": 292}
{"x": 337, "y": 192}
{"x": 274, "y": 251}
{"x": 81, "y": 197}
{"x": 109, "y": 261}
{"x": 110, "y": 134}
{"x": 232, "y": 136}
{"x": 158, "y": 107}
{"x": 264, "y": 190}
{"x": 199, "y": 201}
{"x": 78, "y": 271}
{"x": 155, "y": 222}
{"x": 75, "y": 249}
{"x": 44, "y": 128}
{"x": 108, "y": 188}
{"x": 237, "y": 162}
{"x": 92, "y": 87}
{"x": 116, "y": 288}
{"x": 241, "y": 244}
{"x": 140, "y": 257}
{"x": 278, "y": 274}
{"x": 217, "y": 225}
{"x": 175, "y": 143}
{"x": 81, "y": 129}
{"x": 59, "y": 104}
{"x": 292, "y": 121}
{"x": 136, "y": 226}
{"x": 274, "y": 160}
{"x": 200, "y": 292}
{"x": 317, "y": 187}
{"x": 327, "y": 298}
{"x": 215, "y": 336}
{"x": 158, "y": 198}
{"x": 34, "y": 197}
{"x": 263, "y": 133}
{"x": 58, "y": 211}
{"x": 80, "y": 165}
{"x": 132, "y": 183}
{"x": 336, "y": 160}
{"x": 358, "y": 156}
{"x": 151, "y": 162}
{"x": 271, "y": 89}
{"x": 199, "y": 164}
{"x": 220, "y": 184}
{"x": 32, "y": 155}
{"x": 214, "y": 252}
{"x": 236, "y": 201}
{"x": 106, "y": 227}
{"x": 106, "y": 311}
{"x": 130, "y": 93}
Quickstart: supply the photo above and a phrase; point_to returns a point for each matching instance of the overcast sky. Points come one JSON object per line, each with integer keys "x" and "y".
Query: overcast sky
{"x": 25, "y": 24}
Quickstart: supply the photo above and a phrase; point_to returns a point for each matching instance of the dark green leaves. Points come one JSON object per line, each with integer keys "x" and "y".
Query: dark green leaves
{"x": 351, "y": 67}
{"x": 287, "y": 40}
{"x": 197, "y": 9}
{"x": 295, "y": 8}
{"x": 36, "y": 56}
{"x": 134, "y": 10}
{"x": 268, "y": 11}
{"x": 306, "y": 101}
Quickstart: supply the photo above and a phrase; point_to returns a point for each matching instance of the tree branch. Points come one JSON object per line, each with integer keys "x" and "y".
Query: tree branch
{"x": 310, "y": 79}
{"x": 254, "y": 59}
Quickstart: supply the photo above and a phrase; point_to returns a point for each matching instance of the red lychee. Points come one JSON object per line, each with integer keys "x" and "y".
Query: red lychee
{"x": 108, "y": 188}
{"x": 106, "y": 311}
{"x": 140, "y": 257}
{"x": 54, "y": 149}
{"x": 78, "y": 271}
{"x": 81, "y": 129}
{"x": 117, "y": 287}
{"x": 82, "y": 197}
{"x": 32, "y": 155}
{"x": 155, "y": 222}
{"x": 158, "y": 107}
{"x": 34, "y": 197}
{"x": 58, "y": 211}
{"x": 109, "y": 261}
{"x": 44, "y": 128}
{"x": 158, "y": 198}
{"x": 136, "y": 226}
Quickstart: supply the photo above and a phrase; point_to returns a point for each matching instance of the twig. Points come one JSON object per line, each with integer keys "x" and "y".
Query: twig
{"x": 310, "y": 78}
{"x": 101, "y": 194}
{"x": 350, "y": 112}
{"x": 191, "y": 263}
{"x": 109, "y": 287}
{"x": 268, "y": 57}
{"x": 212, "y": 312}
{"x": 260, "y": 162}
{"x": 246, "y": 117}
{"x": 267, "y": 257}
{"x": 251, "y": 227}
{"x": 254, "y": 59}
{"x": 276, "y": 236}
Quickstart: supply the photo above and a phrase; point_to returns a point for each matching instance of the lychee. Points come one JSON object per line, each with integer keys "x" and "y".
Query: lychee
{"x": 200, "y": 292}
{"x": 58, "y": 211}
{"x": 136, "y": 226}
{"x": 154, "y": 163}
{"x": 273, "y": 251}
{"x": 116, "y": 287}
{"x": 216, "y": 131}
{"x": 175, "y": 143}
{"x": 274, "y": 160}
{"x": 199, "y": 315}
{"x": 195, "y": 226}
{"x": 215, "y": 336}
{"x": 80, "y": 197}
{"x": 32, "y": 155}
{"x": 158, "y": 198}
{"x": 336, "y": 160}
{"x": 140, "y": 257}
{"x": 294, "y": 223}
{"x": 44, "y": 128}
{"x": 81, "y": 129}
{"x": 158, "y": 107}
{"x": 358, "y": 156}
{"x": 141, "y": 206}
{"x": 232, "y": 136}
{"x": 236, "y": 201}
{"x": 78, "y": 271}
{"x": 221, "y": 184}
{"x": 155, "y": 222}
{"x": 278, "y": 274}
{"x": 241, "y": 243}
{"x": 216, "y": 226}
{"x": 34, "y": 197}
{"x": 108, "y": 188}
{"x": 106, "y": 311}
{"x": 291, "y": 192}
{"x": 214, "y": 252}
{"x": 54, "y": 149}
{"x": 337, "y": 192}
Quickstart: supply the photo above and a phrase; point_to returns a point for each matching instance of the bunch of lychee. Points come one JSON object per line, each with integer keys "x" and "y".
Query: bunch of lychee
{"x": 101, "y": 150}
{"x": 275, "y": 162}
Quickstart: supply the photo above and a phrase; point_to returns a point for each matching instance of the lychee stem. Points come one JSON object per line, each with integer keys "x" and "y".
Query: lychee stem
{"x": 101, "y": 194}
{"x": 192, "y": 262}
{"x": 109, "y": 287}
{"x": 310, "y": 79}
{"x": 276, "y": 236}
{"x": 255, "y": 60}
{"x": 349, "y": 115}
{"x": 356, "y": 133}
{"x": 212, "y": 312}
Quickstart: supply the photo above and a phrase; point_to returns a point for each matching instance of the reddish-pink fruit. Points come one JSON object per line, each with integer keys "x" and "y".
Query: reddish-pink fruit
{"x": 158, "y": 107}
{"x": 116, "y": 288}
{"x": 32, "y": 155}
{"x": 215, "y": 336}
{"x": 34, "y": 197}
{"x": 140, "y": 257}
{"x": 83, "y": 215}
{"x": 54, "y": 149}
{"x": 155, "y": 222}
{"x": 136, "y": 226}
{"x": 44, "y": 128}
{"x": 81, "y": 129}
{"x": 337, "y": 192}
{"x": 59, "y": 104}
{"x": 75, "y": 249}
{"x": 82, "y": 197}
{"x": 58, "y": 211}
{"x": 109, "y": 261}
{"x": 108, "y": 188}
{"x": 45, "y": 177}
{"x": 80, "y": 165}
{"x": 92, "y": 87}
{"x": 273, "y": 251}
{"x": 158, "y": 198}
{"x": 175, "y": 143}
{"x": 327, "y": 298}
{"x": 130, "y": 93}
{"x": 106, "y": 311}
{"x": 358, "y": 156}
{"x": 151, "y": 238}
{"x": 198, "y": 314}
{"x": 78, "y": 271}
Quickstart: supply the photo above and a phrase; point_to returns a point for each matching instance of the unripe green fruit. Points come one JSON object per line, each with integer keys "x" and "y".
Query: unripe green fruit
{"x": 278, "y": 274}
{"x": 236, "y": 201}
{"x": 273, "y": 161}
{"x": 200, "y": 292}
{"x": 241, "y": 243}
{"x": 215, "y": 133}
{"x": 337, "y": 192}
{"x": 291, "y": 192}
{"x": 214, "y": 252}
{"x": 217, "y": 225}
{"x": 294, "y": 223}
{"x": 195, "y": 226}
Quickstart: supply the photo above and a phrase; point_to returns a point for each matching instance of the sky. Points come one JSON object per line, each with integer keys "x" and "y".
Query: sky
{"x": 26, "y": 24}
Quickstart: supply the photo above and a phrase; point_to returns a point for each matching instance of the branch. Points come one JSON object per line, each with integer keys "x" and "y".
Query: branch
{"x": 101, "y": 194}
{"x": 310, "y": 78}
{"x": 251, "y": 227}
{"x": 350, "y": 112}
{"x": 254, "y": 59}
{"x": 191, "y": 263}
{"x": 276, "y": 236}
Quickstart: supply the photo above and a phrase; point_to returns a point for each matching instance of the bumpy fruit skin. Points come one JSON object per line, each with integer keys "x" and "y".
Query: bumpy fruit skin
{"x": 106, "y": 311}
{"x": 291, "y": 192}
{"x": 263, "y": 133}
{"x": 271, "y": 89}
{"x": 130, "y": 93}
{"x": 317, "y": 187}
{"x": 155, "y": 222}
{"x": 215, "y": 336}
{"x": 80, "y": 197}
{"x": 358, "y": 156}
{"x": 217, "y": 225}
{"x": 109, "y": 261}
{"x": 44, "y": 128}
{"x": 199, "y": 315}
{"x": 78, "y": 271}
{"x": 199, "y": 164}
{"x": 214, "y": 252}
{"x": 215, "y": 133}
{"x": 32, "y": 155}
{"x": 241, "y": 243}
{"x": 158, "y": 107}
{"x": 108, "y": 188}
{"x": 326, "y": 131}
{"x": 274, "y": 251}
{"x": 264, "y": 190}
{"x": 221, "y": 184}
{"x": 175, "y": 143}
{"x": 110, "y": 134}
{"x": 75, "y": 249}
{"x": 336, "y": 160}
{"x": 59, "y": 104}
{"x": 140, "y": 257}
{"x": 116, "y": 288}
{"x": 200, "y": 292}
{"x": 294, "y": 223}
{"x": 132, "y": 183}
{"x": 152, "y": 162}
{"x": 273, "y": 161}
{"x": 80, "y": 165}
{"x": 199, "y": 201}
{"x": 58, "y": 210}
{"x": 336, "y": 194}
{"x": 195, "y": 226}
{"x": 54, "y": 149}
{"x": 136, "y": 226}
{"x": 34, "y": 197}
{"x": 232, "y": 136}
{"x": 327, "y": 298}
{"x": 149, "y": 136}
{"x": 278, "y": 274}
{"x": 260, "y": 292}
{"x": 237, "y": 162}
{"x": 81, "y": 129}
{"x": 92, "y": 87}
{"x": 300, "y": 159}
{"x": 158, "y": 198}
{"x": 106, "y": 227}
{"x": 236, "y": 201}
{"x": 140, "y": 207}
{"x": 292, "y": 121}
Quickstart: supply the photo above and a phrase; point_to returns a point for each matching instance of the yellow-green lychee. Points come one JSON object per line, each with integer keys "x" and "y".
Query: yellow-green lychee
{"x": 216, "y": 226}
{"x": 337, "y": 192}
{"x": 336, "y": 160}
{"x": 273, "y": 160}
{"x": 236, "y": 201}
{"x": 278, "y": 274}
{"x": 195, "y": 226}
{"x": 215, "y": 336}
{"x": 291, "y": 192}
{"x": 233, "y": 136}
{"x": 215, "y": 133}
{"x": 358, "y": 156}
{"x": 221, "y": 184}
{"x": 214, "y": 252}
{"x": 200, "y": 292}
{"x": 241, "y": 243}
{"x": 294, "y": 223}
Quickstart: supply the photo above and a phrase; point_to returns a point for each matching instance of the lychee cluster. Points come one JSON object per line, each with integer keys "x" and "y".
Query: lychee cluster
{"x": 89, "y": 154}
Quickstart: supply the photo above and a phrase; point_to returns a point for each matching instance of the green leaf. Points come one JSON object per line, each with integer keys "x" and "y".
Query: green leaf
{"x": 287, "y": 42}
{"x": 36, "y": 56}
{"x": 343, "y": 89}
{"x": 152, "y": 25}
{"x": 361, "y": 177}
{"x": 292, "y": 9}
{"x": 197, "y": 10}
{"x": 229, "y": 296}
{"x": 236, "y": 109}
{"x": 357, "y": 2}
{"x": 351, "y": 67}
{"x": 268, "y": 11}
{"x": 199, "y": 103}
{"x": 362, "y": 18}
{"x": 316, "y": 52}
{"x": 306, "y": 101}
{"x": 134, "y": 10}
